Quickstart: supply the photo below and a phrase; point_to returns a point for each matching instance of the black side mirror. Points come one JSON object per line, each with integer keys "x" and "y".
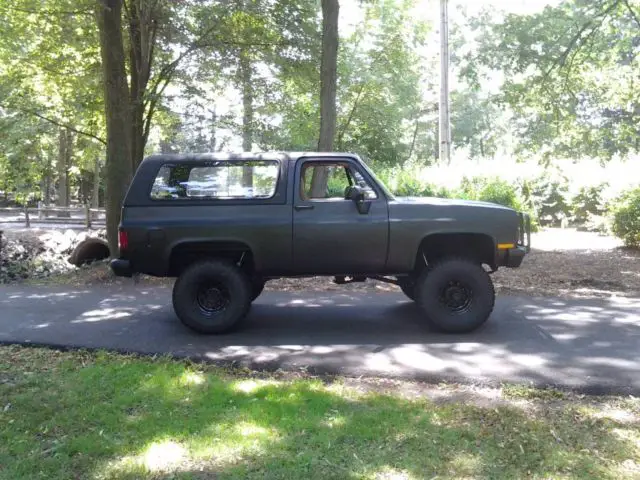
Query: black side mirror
{"x": 359, "y": 197}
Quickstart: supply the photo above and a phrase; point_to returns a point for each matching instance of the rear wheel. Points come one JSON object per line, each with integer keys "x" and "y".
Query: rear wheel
{"x": 408, "y": 287}
{"x": 456, "y": 295}
{"x": 257, "y": 286}
{"x": 212, "y": 296}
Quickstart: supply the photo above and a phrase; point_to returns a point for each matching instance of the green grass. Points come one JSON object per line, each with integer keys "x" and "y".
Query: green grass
{"x": 103, "y": 416}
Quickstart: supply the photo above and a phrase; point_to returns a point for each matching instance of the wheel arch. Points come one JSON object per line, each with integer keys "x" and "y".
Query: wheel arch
{"x": 476, "y": 246}
{"x": 186, "y": 252}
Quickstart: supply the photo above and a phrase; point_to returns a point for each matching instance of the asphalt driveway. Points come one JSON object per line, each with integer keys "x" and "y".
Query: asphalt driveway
{"x": 590, "y": 345}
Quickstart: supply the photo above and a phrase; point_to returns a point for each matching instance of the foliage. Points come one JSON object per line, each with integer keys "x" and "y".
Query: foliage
{"x": 588, "y": 202}
{"x": 571, "y": 73}
{"x": 626, "y": 218}
{"x": 492, "y": 190}
{"x": 547, "y": 195}
{"x": 408, "y": 182}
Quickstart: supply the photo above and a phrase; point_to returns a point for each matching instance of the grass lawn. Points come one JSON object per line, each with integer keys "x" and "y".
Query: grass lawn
{"x": 95, "y": 416}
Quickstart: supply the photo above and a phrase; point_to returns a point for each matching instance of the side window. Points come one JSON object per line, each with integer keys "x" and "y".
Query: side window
{"x": 219, "y": 180}
{"x": 324, "y": 181}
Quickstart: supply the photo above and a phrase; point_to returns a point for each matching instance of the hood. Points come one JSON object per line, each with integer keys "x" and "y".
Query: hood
{"x": 449, "y": 202}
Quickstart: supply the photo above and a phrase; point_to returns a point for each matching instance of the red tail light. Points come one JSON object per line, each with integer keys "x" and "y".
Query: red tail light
{"x": 123, "y": 240}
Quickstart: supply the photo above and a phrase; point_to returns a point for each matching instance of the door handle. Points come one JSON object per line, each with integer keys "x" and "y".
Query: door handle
{"x": 304, "y": 207}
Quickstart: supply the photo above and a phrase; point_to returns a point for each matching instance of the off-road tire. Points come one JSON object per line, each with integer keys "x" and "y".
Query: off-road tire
{"x": 217, "y": 312}
{"x": 408, "y": 287}
{"x": 455, "y": 294}
{"x": 257, "y": 287}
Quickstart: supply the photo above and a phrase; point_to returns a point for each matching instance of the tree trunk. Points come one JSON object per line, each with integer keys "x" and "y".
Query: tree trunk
{"x": 413, "y": 140}
{"x": 47, "y": 182}
{"x": 63, "y": 172}
{"x": 68, "y": 161}
{"x": 328, "y": 82}
{"x": 95, "y": 196}
{"x": 117, "y": 114}
{"x": 142, "y": 35}
{"x": 246, "y": 75}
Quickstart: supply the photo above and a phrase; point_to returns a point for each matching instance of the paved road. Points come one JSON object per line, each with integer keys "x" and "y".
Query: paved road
{"x": 592, "y": 345}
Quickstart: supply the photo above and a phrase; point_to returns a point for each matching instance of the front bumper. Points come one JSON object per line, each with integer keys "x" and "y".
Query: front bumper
{"x": 121, "y": 267}
{"x": 512, "y": 257}
{"x": 524, "y": 231}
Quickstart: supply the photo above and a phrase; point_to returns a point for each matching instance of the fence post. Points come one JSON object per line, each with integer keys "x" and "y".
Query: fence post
{"x": 87, "y": 211}
{"x": 40, "y": 211}
{"x": 26, "y": 216}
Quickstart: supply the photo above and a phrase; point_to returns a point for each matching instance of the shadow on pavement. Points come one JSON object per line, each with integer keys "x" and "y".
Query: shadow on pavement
{"x": 589, "y": 345}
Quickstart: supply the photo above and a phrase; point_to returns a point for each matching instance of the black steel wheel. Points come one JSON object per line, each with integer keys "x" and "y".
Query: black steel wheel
{"x": 456, "y": 295}
{"x": 212, "y": 296}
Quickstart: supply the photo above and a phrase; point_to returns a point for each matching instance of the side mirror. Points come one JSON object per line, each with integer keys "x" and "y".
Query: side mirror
{"x": 358, "y": 196}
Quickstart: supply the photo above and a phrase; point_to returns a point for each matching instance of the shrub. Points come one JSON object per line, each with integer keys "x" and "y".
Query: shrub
{"x": 547, "y": 197}
{"x": 491, "y": 190}
{"x": 431, "y": 190}
{"x": 626, "y": 218}
{"x": 408, "y": 185}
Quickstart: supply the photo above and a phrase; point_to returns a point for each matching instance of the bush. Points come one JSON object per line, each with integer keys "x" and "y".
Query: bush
{"x": 626, "y": 218}
{"x": 491, "y": 190}
{"x": 431, "y": 190}
{"x": 408, "y": 185}
{"x": 548, "y": 198}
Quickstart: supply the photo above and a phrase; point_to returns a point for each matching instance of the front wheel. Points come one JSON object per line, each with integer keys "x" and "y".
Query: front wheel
{"x": 456, "y": 295}
{"x": 212, "y": 296}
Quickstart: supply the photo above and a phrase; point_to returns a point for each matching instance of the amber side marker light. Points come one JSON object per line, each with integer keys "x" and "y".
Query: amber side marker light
{"x": 506, "y": 246}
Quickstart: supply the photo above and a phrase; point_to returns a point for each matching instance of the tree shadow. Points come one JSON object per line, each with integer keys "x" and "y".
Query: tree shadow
{"x": 588, "y": 345}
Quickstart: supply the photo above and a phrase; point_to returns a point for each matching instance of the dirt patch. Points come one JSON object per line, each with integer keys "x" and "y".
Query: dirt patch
{"x": 574, "y": 264}
{"x": 565, "y": 263}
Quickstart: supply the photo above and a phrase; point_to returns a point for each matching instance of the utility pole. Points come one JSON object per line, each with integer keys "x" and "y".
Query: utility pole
{"x": 445, "y": 123}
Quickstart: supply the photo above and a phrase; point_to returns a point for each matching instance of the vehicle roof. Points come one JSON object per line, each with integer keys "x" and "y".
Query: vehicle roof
{"x": 219, "y": 156}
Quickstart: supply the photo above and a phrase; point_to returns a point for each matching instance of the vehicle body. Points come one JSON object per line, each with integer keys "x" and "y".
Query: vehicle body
{"x": 273, "y": 215}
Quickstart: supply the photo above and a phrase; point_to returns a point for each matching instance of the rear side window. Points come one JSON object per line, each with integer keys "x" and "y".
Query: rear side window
{"x": 217, "y": 180}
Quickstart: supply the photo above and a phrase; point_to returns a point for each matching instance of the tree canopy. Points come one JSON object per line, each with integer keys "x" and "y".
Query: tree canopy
{"x": 88, "y": 87}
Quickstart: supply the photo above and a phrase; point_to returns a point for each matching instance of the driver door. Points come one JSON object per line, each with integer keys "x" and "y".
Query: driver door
{"x": 330, "y": 236}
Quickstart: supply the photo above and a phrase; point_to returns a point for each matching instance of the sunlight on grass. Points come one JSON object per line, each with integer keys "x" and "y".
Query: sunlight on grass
{"x": 192, "y": 378}
{"x": 388, "y": 473}
{"x": 251, "y": 385}
{"x": 334, "y": 419}
{"x": 163, "y": 456}
{"x": 157, "y": 457}
{"x": 106, "y": 416}
{"x": 222, "y": 445}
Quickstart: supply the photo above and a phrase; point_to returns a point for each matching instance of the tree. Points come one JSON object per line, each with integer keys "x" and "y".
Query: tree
{"x": 382, "y": 112}
{"x": 328, "y": 86}
{"x": 117, "y": 113}
{"x": 571, "y": 75}
{"x": 328, "y": 74}
{"x": 50, "y": 78}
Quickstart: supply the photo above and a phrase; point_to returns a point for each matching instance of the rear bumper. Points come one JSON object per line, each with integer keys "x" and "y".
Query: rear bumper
{"x": 121, "y": 267}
